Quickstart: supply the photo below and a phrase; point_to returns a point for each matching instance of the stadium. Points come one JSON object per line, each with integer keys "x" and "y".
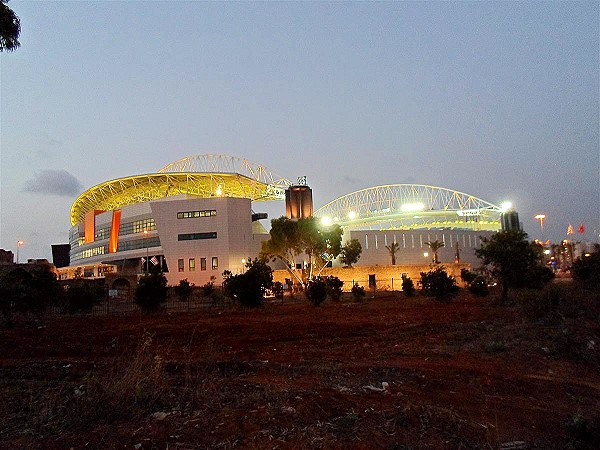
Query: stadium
{"x": 194, "y": 218}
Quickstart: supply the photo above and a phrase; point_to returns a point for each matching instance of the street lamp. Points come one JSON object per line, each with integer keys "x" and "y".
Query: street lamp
{"x": 146, "y": 242}
{"x": 19, "y": 243}
{"x": 541, "y": 218}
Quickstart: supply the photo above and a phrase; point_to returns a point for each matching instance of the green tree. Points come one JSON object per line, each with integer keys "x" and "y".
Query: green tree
{"x": 289, "y": 238}
{"x": 393, "y": 248}
{"x": 151, "y": 290}
{"x": 10, "y": 28}
{"x": 351, "y": 252}
{"x": 434, "y": 246}
{"x": 513, "y": 261}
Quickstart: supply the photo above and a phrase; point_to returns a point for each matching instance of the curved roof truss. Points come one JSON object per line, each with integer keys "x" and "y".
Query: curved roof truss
{"x": 410, "y": 206}
{"x": 202, "y": 175}
{"x": 213, "y": 163}
{"x": 142, "y": 188}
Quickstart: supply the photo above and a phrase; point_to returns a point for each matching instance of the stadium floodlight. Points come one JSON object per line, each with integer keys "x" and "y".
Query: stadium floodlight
{"x": 505, "y": 206}
{"x": 326, "y": 221}
{"x": 412, "y": 207}
{"x": 351, "y": 215}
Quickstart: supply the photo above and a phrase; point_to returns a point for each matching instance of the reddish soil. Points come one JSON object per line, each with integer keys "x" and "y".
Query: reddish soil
{"x": 460, "y": 375}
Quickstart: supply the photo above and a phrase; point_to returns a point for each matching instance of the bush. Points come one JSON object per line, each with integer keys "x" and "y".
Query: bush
{"x": 208, "y": 289}
{"x": 184, "y": 290}
{"x": 582, "y": 432}
{"x": 316, "y": 291}
{"x": 249, "y": 288}
{"x": 358, "y": 292}
{"x": 586, "y": 270}
{"x": 81, "y": 295}
{"x": 334, "y": 287}
{"x": 24, "y": 292}
{"x": 479, "y": 286}
{"x": 438, "y": 284}
{"x": 476, "y": 284}
{"x": 278, "y": 290}
{"x": 151, "y": 291}
{"x": 408, "y": 286}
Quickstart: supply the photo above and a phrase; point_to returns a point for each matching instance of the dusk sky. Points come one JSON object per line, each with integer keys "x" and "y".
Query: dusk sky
{"x": 495, "y": 99}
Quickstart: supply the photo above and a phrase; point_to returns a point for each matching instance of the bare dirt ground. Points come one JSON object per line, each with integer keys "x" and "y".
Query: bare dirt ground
{"x": 461, "y": 375}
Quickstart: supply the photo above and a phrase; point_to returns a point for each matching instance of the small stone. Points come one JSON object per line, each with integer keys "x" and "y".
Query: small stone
{"x": 160, "y": 415}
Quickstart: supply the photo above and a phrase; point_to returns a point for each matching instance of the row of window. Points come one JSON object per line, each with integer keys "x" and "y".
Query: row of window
{"x": 196, "y": 236}
{"x": 467, "y": 240}
{"x": 137, "y": 226}
{"x": 194, "y": 214}
{"x": 192, "y": 264}
{"x": 88, "y": 253}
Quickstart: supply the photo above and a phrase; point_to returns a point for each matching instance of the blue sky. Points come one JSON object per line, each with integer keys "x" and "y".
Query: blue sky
{"x": 496, "y": 99}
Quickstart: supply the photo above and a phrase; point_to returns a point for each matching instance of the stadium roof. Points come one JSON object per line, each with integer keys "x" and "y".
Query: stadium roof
{"x": 201, "y": 175}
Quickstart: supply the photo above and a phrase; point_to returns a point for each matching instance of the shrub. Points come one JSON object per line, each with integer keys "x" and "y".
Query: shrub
{"x": 438, "y": 284}
{"x": 151, "y": 290}
{"x": 316, "y": 291}
{"x": 358, "y": 292}
{"x": 249, "y": 288}
{"x": 476, "y": 284}
{"x": 586, "y": 270}
{"x": 408, "y": 286}
{"x": 81, "y": 295}
{"x": 184, "y": 290}
{"x": 24, "y": 292}
{"x": 334, "y": 287}
{"x": 479, "y": 286}
{"x": 278, "y": 290}
{"x": 582, "y": 432}
{"x": 208, "y": 289}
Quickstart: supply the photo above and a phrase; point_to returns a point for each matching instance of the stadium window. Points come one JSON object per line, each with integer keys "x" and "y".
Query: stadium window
{"x": 215, "y": 263}
{"x": 202, "y": 263}
{"x": 196, "y": 236}
{"x": 180, "y": 265}
{"x": 366, "y": 242}
{"x": 192, "y": 264}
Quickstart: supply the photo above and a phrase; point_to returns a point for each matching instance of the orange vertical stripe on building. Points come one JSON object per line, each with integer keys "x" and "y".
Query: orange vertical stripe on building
{"x": 90, "y": 227}
{"x": 114, "y": 231}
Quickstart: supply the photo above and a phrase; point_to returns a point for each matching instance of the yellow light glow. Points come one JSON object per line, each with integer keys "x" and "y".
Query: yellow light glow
{"x": 326, "y": 221}
{"x": 412, "y": 207}
{"x": 219, "y": 191}
{"x": 540, "y": 217}
{"x": 505, "y": 206}
{"x": 20, "y": 242}
{"x": 352, "y": 215}
{"x": 425, "y": 254}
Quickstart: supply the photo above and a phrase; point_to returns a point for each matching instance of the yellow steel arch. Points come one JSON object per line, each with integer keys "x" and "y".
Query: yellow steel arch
{"x": 411, "y": 206}
{"x": 141, "y": 188}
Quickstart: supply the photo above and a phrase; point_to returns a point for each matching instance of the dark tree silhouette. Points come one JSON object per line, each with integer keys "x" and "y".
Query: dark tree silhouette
{"x": 10, "y": 28}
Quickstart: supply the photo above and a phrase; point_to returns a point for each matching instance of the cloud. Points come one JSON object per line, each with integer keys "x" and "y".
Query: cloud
{"x": 53, "y": 182}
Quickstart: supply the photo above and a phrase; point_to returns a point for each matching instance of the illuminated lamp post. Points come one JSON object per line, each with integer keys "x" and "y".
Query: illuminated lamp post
{"x": 19, "y": 243}
{"x": 146, "y": 242}
{"x": 541, "y": 218}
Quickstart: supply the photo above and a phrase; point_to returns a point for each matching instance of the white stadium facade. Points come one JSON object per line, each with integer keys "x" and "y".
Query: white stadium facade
{"x": 194, "y": 219}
